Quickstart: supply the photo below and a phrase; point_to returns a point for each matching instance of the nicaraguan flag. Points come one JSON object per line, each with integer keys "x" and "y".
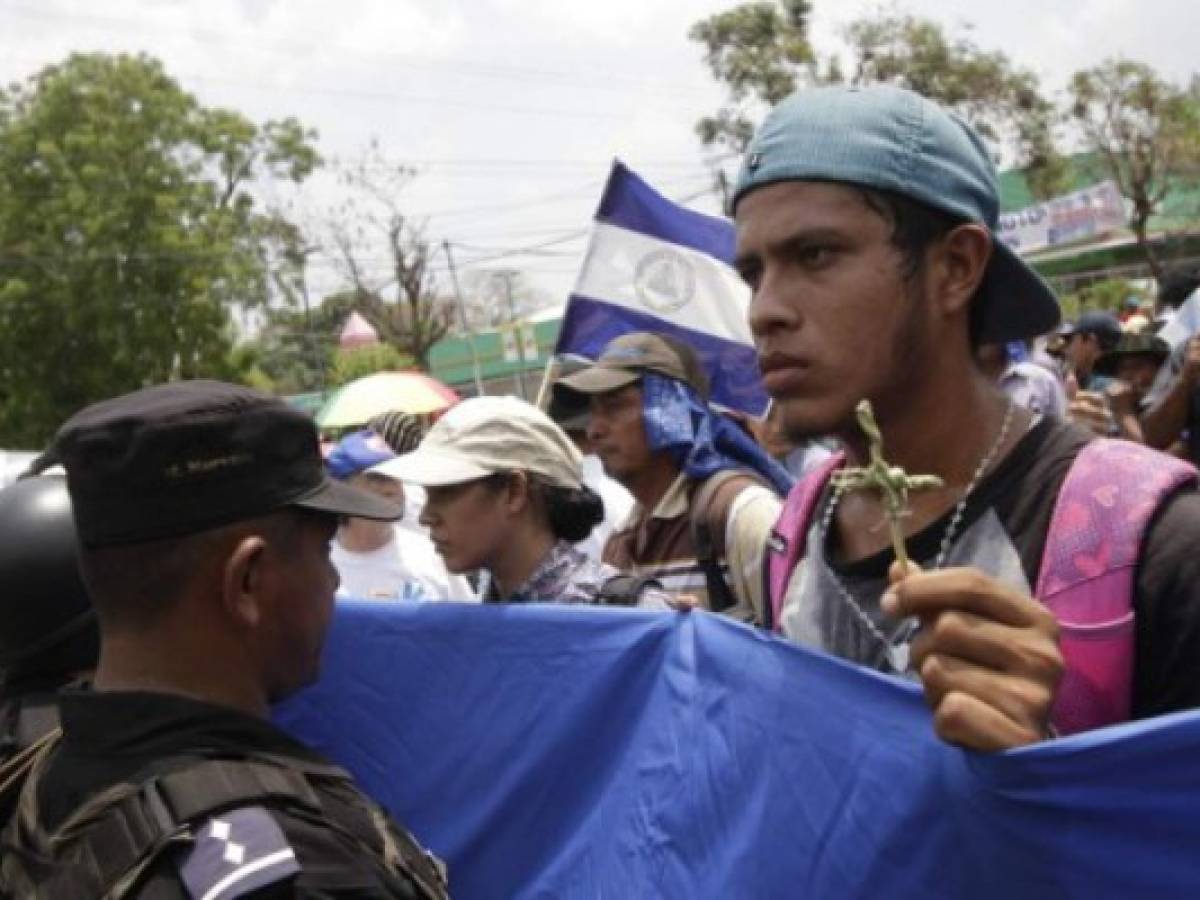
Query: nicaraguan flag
{"x": 655, "y": 266}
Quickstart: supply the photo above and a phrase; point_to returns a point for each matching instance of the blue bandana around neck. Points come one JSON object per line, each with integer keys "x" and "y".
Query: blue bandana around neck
{"x": 700, "y": 440}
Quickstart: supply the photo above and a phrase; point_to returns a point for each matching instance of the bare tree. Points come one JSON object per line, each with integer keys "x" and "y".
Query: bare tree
{"x": 486, "y": 298}
{"x": 400, "y": 298}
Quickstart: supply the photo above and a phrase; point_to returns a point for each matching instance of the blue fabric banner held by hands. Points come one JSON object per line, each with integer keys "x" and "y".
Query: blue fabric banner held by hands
{"x": 549, "y": 751}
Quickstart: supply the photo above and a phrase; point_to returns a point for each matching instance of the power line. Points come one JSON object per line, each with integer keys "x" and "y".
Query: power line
{"x": 599, "y": 80}
{"x": 392, "y": 97}
{"x": 590, "y": 186}
{"x": 501, "y": 162}
{"x": 329, "y": 261}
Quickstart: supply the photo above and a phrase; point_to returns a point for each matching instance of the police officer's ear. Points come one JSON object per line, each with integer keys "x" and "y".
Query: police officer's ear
{"x": 955, "y": 265}
{"x": 245, "y": 578}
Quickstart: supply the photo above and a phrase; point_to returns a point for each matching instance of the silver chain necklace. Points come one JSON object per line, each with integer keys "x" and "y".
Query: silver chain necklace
{"x": 897, "y": 649}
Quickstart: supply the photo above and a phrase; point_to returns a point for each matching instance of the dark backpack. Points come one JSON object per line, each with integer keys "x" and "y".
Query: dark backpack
{"x": 625, "y": 590}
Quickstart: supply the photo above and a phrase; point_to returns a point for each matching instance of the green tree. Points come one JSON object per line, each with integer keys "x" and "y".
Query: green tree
{"x": 1108, "y": 294}
{"x": 129, "y": 233}
{"x": 351, "y": 364}
{"x": 290, "y": 351}
{"x": 298, "y": 345}
{"x": 1145, "y": 134}
{"x": 761, "y": 52}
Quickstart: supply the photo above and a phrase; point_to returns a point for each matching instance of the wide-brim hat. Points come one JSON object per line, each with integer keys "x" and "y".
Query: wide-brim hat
{"x": 1133, "y": 344}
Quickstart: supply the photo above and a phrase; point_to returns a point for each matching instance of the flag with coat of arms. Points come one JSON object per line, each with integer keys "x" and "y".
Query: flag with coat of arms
{"x": 653, "y": 265}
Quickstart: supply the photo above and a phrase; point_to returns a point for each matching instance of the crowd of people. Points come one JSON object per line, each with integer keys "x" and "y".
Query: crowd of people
{"x": 1050, "y": 584}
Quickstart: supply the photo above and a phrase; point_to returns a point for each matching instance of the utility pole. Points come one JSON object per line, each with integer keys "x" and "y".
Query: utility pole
{"x": 462, "y": 317}
{"x": 506, "y": 276}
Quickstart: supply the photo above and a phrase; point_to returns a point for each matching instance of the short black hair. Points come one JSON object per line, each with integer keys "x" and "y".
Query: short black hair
{"x": 133, "y": 585}
{"x": 914, "y": 226}
{"x": 571, "y": 513}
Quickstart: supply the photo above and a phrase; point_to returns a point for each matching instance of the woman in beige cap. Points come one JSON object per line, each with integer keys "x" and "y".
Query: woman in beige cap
{"x": 506, "y": 496}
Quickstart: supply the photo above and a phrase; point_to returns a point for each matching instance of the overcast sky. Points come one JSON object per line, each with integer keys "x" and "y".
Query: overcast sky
{"x": 513, "y": 108}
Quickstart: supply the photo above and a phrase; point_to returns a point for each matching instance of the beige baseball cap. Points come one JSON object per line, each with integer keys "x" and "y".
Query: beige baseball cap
{"x": 484, "y": 435}
{"x": 627, "y": 358}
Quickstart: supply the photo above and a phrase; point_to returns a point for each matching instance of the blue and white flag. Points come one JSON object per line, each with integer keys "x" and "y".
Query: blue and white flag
{"x": 655, "y": 266}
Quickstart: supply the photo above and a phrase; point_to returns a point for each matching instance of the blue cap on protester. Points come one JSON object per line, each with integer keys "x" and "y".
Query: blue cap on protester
{"x": 357, "y": 452}
{"x": 891, "y": 139}
{"x": 1104, "y": 325}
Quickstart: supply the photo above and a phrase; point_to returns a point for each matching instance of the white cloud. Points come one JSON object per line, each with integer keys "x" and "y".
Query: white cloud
{"x": 517, "y": 105}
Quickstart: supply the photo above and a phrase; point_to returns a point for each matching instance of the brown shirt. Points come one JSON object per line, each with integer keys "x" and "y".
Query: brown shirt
{"x": 660, "y": 544}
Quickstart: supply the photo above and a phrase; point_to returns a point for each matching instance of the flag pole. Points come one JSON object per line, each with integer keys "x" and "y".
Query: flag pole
{"x": 549, "y": 376}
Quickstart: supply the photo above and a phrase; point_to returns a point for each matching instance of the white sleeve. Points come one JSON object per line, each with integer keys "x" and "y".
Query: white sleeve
{"x": 752, "y": 516}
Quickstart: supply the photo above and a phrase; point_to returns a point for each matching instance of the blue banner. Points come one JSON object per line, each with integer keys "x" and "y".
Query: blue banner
{"x": 583, "y": 752}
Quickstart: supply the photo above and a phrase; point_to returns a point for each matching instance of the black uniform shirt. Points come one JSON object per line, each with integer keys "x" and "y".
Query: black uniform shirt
{"x": 109, "y": 737}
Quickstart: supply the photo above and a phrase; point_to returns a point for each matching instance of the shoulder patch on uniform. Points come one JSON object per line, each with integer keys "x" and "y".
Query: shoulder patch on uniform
{"x": 236, "y": 852}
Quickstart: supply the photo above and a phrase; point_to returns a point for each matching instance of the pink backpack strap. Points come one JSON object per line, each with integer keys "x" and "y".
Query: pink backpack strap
{"x": 786, "y": 545}
{"x": 1087, "y": 574}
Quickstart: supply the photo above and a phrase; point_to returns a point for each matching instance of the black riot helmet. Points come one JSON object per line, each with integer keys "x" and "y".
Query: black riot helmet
{"x": 47, "y": 626}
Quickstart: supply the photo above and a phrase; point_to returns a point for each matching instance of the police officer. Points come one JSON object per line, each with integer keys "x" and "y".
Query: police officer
{"x": 48, "y": 634}
{"x": 204, "y": 519}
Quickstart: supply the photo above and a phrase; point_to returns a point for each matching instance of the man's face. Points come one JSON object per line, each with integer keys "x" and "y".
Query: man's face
{"x": 380, "y": 485}
{"x": 833, "y": 317}
{"x": 617, "y": 433}
{"x": 304, "y": 582}
{"x": 1138, "y": 372}
{"x": 1082, "y": 351}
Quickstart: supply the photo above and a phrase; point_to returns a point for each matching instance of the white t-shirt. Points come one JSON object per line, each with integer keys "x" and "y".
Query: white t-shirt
{"x": 405, "y": 568}
{"x": 414, "y": 505}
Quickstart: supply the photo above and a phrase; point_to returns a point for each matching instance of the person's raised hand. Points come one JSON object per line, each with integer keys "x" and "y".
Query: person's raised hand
{"x": 987, "y": 655}
{"x": 683, "y": 602}
{"x": 1120, "y": 397}
{"x": 1090, "y": 410}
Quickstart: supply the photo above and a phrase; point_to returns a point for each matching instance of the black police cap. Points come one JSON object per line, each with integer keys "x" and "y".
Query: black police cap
{"x": 187, "y": 456}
